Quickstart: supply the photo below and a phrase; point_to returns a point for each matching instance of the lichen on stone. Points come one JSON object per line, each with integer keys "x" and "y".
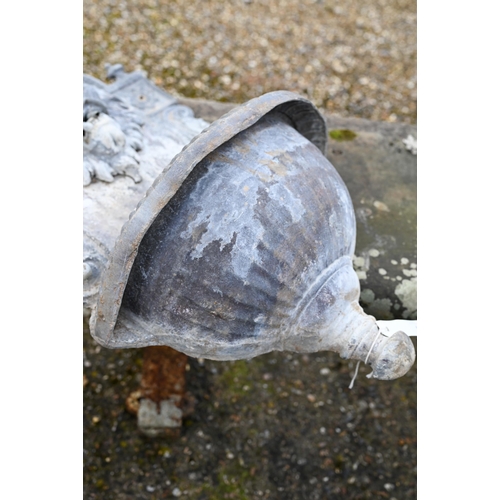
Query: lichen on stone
{"x": 342, "y": 135}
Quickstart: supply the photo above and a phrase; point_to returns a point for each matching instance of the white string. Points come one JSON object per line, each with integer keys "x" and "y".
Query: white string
{"x": 351, "y": 385}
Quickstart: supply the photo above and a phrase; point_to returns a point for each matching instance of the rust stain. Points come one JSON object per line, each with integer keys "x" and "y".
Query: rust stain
{"x": 163, "y": 377}
{"x": 163, "y": 373}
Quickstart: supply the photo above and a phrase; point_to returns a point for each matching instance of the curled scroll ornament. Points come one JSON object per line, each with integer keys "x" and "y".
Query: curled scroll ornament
{"x": 112, "y": 136}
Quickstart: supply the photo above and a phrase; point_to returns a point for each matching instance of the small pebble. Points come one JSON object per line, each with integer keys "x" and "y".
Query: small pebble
{"x": 381, "y": 206}
{"x": 176, "y": 492}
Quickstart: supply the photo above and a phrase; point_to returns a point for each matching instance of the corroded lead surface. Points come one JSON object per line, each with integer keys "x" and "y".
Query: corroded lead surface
{"x": 304, "y": 117}
{"x": 381, "y": 176}
{"x": 224, "y": 267}
{"x": 244, "y": 245}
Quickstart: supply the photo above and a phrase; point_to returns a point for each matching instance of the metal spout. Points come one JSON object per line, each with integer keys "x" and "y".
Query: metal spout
{"x": 334, "y": 320}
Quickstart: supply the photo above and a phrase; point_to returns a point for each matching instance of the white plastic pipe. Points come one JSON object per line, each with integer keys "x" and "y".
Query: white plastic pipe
{"x": 390, "y": 327}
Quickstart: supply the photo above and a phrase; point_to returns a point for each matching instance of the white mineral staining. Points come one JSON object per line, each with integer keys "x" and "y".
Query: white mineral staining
{"x": 293, "y": 204}
{"x": 367, "y": 296}
{"x": 360, "y": 266}
{"x": 409, "y": 272}
{"x": 399, "y": 278}
{"x": 383, "y": 272}
{"x": 376, "y": 307}
{"x": 381, "y": 206}
{"x": 373, "y": 252}
{"x": 411, "y": 144}
{"x": 361, "y": 274}
{"x": 406, "y": 292}
{"x": 359, "y": 262}
{"x": 221, "y": 225}
{"x": 380, "y": 308}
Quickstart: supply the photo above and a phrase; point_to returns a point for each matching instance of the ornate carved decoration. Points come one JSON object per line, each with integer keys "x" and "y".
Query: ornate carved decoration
{"x": 131, "y": 131}
{"x": 112, "y": 135}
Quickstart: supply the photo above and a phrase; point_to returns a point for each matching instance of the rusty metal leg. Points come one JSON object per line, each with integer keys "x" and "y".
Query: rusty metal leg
{"x": 158, "y": 402}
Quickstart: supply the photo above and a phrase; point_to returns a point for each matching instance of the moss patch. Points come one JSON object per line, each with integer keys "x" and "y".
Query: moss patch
{"x": 236, "y": 379}
{"x": 230, "y": 484}
{"x": 342, "y": 135}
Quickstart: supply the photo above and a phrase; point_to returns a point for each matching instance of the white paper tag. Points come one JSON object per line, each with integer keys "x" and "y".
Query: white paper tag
{"x": 390, "y": 327}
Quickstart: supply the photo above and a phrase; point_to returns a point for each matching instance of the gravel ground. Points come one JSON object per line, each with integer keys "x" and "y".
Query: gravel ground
{"x": 356, "y": 58}
{"x": 280, "y": 426}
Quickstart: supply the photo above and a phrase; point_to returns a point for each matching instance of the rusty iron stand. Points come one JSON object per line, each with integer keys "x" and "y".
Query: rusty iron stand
{"x": 161, "y": 401}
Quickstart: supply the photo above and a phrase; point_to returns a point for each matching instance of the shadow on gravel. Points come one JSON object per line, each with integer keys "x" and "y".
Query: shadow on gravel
{"x": 281, "y": 425}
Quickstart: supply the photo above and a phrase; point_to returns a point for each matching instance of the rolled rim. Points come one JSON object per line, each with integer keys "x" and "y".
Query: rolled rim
{"x": 304, "y": 117}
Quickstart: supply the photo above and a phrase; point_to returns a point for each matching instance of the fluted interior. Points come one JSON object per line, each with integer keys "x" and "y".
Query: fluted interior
{"x": 234, "y": 251}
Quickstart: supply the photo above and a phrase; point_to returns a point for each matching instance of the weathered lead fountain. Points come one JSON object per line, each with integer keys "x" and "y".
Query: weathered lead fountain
{"x": 221, "y": 241}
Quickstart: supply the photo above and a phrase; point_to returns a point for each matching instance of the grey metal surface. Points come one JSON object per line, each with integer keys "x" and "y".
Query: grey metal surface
{"x": 381, "y": 176}
{"x": 243, "y": 246}
{"x": 166, "y": 185}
